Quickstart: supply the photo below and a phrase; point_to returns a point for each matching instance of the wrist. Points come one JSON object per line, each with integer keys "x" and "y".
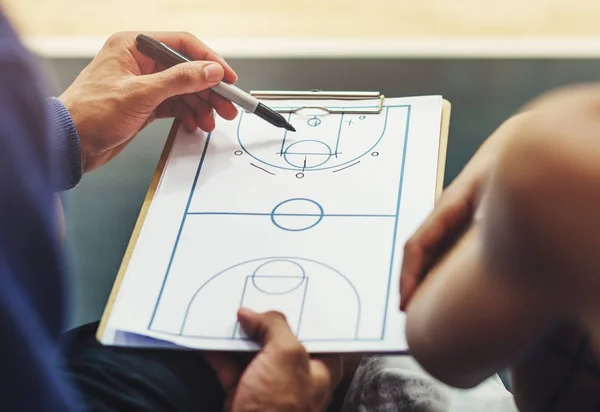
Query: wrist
{"x": 65, "y": 145}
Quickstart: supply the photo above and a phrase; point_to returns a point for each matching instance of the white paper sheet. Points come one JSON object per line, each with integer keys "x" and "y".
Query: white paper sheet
{"x": 310, "y": 223}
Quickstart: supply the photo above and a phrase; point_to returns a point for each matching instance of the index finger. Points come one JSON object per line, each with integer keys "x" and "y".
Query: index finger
{"x": 194, "y": 49}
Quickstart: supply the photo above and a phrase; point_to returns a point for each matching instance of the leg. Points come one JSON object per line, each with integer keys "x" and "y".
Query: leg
{"x": 121, "y": 379}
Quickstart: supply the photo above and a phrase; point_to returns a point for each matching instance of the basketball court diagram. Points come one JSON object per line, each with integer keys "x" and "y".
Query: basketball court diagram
{"x": 262, "y": 207}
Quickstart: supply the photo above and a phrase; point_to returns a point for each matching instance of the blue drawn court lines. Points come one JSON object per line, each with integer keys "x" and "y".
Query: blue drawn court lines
{"x": 279, "y": 216}
{"x": 285, "y": 215}
{"x": 395, "y": 236}
{"x": 295, "y": 222}
{"x": 288, "y": 214}
{"x": 185, "y": 214}
{"x": 292, "y": 304}
{"x": 337, "y": 142}
{"x": 308, "y": 148}
{"x": 264, "y": 285}
{"x": 314, "y": 214}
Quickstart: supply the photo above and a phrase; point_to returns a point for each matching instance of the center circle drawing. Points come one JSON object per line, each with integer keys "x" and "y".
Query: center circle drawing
{"x": 278, "y": 276}
{"x": 307, "y": 154}
{"x": 297, "y": 214}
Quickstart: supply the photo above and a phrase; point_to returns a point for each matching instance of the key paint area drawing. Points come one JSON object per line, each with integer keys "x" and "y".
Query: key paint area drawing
{"x": 285, "y": 284}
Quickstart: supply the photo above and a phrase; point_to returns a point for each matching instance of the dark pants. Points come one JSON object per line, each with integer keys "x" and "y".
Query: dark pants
{"x": 131, "y": 380}
{"x": 134, "y": 380}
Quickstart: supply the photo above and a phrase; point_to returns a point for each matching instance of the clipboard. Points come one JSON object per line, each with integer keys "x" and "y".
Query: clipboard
{"x": 269, "y": 95}
{"x": 322, "y": 95}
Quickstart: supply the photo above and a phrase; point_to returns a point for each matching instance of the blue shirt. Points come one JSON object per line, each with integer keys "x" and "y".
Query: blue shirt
{"x": 39, "y": 155}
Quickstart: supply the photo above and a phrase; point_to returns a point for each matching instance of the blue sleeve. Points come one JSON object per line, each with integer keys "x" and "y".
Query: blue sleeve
{"x": 65, "y": 146}
{"x": 33, "y": 287}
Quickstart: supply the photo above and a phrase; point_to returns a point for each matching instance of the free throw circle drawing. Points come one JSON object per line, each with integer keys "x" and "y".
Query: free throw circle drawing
{"x": 307, "y": 154}
{"x": 278, "y": 276}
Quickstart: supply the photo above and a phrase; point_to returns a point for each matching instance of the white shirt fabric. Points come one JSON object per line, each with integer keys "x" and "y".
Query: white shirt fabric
{"x": 398, "y": 383}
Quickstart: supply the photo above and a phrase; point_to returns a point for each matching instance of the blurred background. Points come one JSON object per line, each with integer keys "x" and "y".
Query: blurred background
{"x": 487, "y": 57}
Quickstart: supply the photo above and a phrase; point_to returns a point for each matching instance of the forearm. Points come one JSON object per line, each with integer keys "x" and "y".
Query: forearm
{"x": 465, "y": 323}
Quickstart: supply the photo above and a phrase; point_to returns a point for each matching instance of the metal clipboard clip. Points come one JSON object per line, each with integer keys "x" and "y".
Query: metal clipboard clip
{"x": 322, "y": 95}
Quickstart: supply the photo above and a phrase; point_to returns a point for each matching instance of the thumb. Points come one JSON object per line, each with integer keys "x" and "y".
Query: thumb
{"x": 184, "y": 78}
{"x": 267, "y": 328}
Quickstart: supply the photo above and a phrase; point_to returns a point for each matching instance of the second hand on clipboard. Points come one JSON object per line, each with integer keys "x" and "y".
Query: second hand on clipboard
{"x": 168, "y": 57}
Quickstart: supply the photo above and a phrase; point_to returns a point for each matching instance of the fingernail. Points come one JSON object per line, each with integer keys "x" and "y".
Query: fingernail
{"x": 213, "y": 72}
{"x": 246, "y": 312}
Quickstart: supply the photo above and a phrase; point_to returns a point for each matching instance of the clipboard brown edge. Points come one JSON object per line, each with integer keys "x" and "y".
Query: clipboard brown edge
{"x": 439, "y": 187}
